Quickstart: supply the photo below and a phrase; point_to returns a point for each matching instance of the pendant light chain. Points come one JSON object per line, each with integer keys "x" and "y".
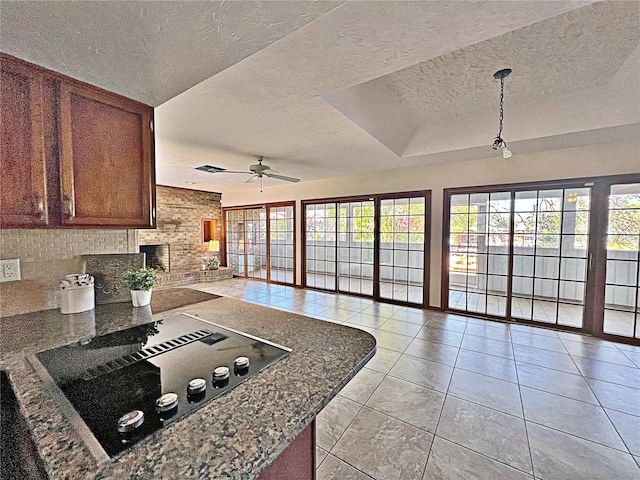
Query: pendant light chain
{"x": 501, "y": 106}
{"x": 498, "y": 142}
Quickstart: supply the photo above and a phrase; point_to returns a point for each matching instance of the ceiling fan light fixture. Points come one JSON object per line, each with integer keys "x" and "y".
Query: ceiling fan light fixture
{"x": 498, "y": 142}
{"x": 257, "y": 171}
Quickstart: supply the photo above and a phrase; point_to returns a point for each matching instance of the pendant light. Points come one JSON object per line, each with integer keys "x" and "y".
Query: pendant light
{"x": 499, "y": 143}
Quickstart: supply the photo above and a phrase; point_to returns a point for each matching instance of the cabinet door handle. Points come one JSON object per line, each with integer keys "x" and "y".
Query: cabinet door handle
{"x": 40, "y": 206}
{"x": 68, "y": 199}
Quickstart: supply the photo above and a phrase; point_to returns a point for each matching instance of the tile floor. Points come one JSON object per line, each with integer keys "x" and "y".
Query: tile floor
{"x": 451, "y": 397}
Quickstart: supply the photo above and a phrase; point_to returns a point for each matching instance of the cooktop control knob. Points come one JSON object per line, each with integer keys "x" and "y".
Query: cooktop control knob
{"x": 220, "y": 374}
{"x": 241, "y": 363}
{"x": 130, "y": 421}
{"x": 197, "y": 385}
{"x": 166, "y": 402}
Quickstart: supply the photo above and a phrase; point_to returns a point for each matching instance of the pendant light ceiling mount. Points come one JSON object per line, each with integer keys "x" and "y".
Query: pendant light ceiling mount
{"x": 498, "y": 142}
{"x": 500, "y": 74}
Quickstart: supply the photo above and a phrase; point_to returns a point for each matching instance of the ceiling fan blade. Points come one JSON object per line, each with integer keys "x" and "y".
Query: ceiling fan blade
{"x": 252, "y": 179}
{"x": 282, "y": 177}
{"x": 268, "y": 171}
{"x": 212, "y": 169}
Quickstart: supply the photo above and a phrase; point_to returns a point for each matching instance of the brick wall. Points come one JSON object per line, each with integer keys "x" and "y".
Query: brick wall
{"x": 46, "y": 256}
{"x": 179, "y": 214}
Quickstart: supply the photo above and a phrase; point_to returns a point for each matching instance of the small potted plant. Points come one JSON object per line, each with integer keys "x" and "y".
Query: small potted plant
{"x": 140, "y": 283}
{"x": 210, "y": 263}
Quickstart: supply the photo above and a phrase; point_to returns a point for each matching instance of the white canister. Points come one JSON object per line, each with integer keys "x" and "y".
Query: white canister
{"x": 76, "y": 299}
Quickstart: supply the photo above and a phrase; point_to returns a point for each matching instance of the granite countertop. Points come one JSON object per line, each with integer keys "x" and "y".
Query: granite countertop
{"x": 236, "y": 435}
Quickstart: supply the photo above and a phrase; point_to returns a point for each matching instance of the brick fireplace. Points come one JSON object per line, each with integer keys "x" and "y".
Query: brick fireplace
{"x": 177, "y": 244}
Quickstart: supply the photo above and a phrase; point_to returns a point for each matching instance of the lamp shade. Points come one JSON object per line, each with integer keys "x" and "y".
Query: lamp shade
{"x": 214, "y": 245}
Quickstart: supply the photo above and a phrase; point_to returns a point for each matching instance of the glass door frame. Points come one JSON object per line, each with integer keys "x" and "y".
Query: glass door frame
{"x": 267, "y": 207}
{"x": 599, "y": 261}
{"x": 593, "y": 318}
{"x": 377, "y": 199}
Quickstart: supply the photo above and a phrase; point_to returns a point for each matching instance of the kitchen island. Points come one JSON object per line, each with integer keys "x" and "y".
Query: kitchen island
{"x": 237, "y": 435}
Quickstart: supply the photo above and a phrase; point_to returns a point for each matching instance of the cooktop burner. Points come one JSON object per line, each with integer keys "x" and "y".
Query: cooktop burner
{"x": 128, "y": 384}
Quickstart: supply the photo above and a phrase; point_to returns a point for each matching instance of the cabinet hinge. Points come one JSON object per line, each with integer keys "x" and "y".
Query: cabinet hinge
{"x": 151, "y": 126}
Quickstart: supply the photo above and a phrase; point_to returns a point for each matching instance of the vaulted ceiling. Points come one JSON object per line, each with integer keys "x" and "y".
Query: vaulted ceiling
{"x": 325, "y": 89}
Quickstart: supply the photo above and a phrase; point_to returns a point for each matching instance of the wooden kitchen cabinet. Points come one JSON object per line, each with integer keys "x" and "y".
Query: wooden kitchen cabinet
{"x": 23, "y": 190}
{"x": 105, "y": 158}
{"x": 84, "y": 156}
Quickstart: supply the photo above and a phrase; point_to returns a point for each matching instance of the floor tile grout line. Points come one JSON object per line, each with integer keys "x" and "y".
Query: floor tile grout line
{"x": 485, "y": 456}
{"x": 345, "y": 431}
{"x": 608, "y": 381}
{"x": 607, "y": 414}
{"x": 323, "y": 459}
{"x": 560, "y": 395}
{"x": 446, "y": 394}
{"x": 352, "y": 466}
{"x": 605, "y": 361}
{"x": 549, "y": 368}
{"x": 396, "y": 418}
{"x": 581, "y": 438}
{"x": 485, "y": 353}
{"x": 524, "y": 419}
{"x": 430, "y": 360}
{"x": 419, "y": 384}
{"x": 490, "y": 376}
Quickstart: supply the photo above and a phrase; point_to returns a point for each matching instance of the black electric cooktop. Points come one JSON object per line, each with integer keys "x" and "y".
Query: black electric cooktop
{"x": 128, "y": 384}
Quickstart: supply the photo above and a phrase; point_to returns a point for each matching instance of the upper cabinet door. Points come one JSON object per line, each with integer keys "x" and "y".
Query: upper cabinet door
{"x": 106, "y": 159}
{"x": 23, "y": 194}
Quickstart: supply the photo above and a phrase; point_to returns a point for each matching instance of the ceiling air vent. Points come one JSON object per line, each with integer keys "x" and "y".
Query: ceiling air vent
{"x": 210, "y": 169}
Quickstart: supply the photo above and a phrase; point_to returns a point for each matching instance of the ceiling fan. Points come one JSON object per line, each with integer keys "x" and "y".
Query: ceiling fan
{"x": 256, "y": 171}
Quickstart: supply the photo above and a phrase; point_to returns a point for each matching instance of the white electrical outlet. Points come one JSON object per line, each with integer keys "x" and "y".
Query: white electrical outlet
{"x": 10, "y": 270}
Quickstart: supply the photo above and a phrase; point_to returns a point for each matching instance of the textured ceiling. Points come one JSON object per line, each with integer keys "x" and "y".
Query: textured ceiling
{"x": 324, "y": 89}
{"x": 147, "y": 50}
{"x": 576, "y": 52}
{"x": 570, "y": 53}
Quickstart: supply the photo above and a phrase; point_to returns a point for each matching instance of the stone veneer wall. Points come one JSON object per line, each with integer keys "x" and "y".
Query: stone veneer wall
{"x": 179, "y": 214}
{"x": 46, "y": 256}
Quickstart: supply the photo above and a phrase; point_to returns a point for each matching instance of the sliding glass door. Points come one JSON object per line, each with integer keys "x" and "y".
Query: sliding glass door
{"x": 320, "y": 246}
{"x": 480, "y": 227}
{"x": 622, "y": 285}
{"x": 527, "y": 253}
{"x": 281, "y": 244}
{"x": 374, "y": 246}
{"x": 256, "y": 242}
{"x": 234, "y": 239}
{"x": 339, "y": 240}
{"x": 520, "y": 254}
{"x": 355, "y": 247}
{"x": 402, "y": 249}
{"x": 261, "y": 249}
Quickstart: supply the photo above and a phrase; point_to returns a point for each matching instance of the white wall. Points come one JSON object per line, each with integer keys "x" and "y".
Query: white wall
{"x": 594, "y": 160}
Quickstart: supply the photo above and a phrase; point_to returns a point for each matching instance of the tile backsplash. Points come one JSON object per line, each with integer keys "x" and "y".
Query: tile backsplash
{"x": 46, "y": 256}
